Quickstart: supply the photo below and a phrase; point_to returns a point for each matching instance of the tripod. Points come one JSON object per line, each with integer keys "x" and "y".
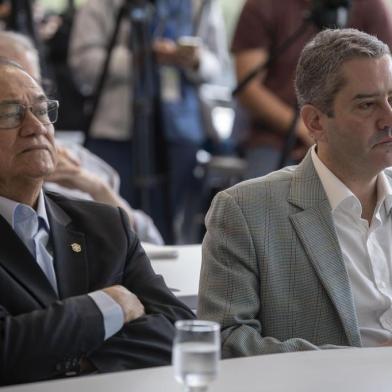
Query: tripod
{"x": 147, "y": 149}
{"x": 147, "y": 160}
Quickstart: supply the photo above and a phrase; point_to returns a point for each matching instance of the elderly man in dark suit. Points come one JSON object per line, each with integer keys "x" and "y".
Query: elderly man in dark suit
{"x": 77, "y": 292}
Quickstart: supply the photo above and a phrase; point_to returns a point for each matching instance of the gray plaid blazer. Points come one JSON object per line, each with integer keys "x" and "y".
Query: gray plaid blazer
{"x": 273, "y": 272}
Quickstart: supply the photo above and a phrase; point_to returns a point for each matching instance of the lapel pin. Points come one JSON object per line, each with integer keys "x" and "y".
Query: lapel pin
{"x": 76, "y": 247}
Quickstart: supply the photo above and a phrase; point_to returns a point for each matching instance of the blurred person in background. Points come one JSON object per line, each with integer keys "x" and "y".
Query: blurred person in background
{"x": 5, "y": 9}
{"x": 269, "y": 99}
{"x": 78, "y": 173}
{"x": 188, "y": 41}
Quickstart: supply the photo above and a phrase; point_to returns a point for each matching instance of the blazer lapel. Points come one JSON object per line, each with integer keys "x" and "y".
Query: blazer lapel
{"x": 315, "y": 228}
{"x": 70, "y": 256}
{"x": 21, "y": 265}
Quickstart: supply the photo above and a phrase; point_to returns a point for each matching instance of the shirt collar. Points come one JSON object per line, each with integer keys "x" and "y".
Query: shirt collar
{"x": 384, "y": 192}
{"x": 337, "y": 192}
{"x": 335, "y": 189}
{"x": 8, "y": 207}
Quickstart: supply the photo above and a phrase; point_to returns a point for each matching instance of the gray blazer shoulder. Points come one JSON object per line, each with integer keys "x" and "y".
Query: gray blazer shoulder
{"x": 271, "y": 259}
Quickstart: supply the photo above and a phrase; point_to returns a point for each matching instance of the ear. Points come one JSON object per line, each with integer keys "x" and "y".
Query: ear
{"x": 314, "y": 120}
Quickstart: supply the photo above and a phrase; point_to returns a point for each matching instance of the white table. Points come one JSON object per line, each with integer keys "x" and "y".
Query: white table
{"x": 346, "y": 370}
{"x": 182, "y": 273}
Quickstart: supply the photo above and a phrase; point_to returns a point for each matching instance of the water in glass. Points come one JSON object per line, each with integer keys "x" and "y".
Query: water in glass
{"x": 196, "y": 353}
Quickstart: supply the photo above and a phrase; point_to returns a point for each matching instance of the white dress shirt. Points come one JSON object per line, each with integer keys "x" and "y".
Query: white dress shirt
{"x": 367, "y": 252}
{"x": 33, "y": 229}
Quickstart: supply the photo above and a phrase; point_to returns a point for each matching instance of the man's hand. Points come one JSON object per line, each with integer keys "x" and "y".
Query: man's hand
{"x": 128, "y": 301}
{"x": 70, "y": 174}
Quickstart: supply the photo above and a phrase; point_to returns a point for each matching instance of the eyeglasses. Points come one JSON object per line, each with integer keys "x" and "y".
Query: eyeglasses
{"x": 13, "y": 114}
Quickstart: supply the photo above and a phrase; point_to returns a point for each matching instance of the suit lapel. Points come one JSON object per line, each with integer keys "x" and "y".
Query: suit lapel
{"x": 315, "y": 228}
{"x": 21, "y": 265}
{"x": 69, "y": 253}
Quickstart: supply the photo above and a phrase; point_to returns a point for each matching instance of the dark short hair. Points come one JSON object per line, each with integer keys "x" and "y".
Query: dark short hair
{"x": 318, "y": 75}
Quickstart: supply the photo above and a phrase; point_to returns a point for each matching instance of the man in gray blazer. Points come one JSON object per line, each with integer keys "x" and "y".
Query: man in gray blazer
{"x": 301, "y": 259}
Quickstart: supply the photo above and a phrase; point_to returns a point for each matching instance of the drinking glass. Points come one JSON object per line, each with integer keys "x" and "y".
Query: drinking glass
{"x": 196, "y": 353}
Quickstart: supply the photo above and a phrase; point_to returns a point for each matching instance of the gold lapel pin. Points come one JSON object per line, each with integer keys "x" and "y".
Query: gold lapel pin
{"x": 76, "y": 247}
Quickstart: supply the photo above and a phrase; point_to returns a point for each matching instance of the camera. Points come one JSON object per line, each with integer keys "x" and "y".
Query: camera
{"x": 330, "y": 13}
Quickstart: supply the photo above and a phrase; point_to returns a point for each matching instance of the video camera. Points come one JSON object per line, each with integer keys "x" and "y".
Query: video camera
{"x": 330, "y": 13}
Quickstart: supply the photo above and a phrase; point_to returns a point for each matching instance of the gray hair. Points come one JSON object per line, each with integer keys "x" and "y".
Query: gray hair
{"x": 318, "y": 75}
{"x": 17, "y": 46}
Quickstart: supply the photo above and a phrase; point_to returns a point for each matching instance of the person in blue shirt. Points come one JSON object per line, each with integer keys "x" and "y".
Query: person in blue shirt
{"x": 189, "y": 47}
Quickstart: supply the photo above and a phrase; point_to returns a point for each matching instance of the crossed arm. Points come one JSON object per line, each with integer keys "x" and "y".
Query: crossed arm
{"x": 50, "y": 341}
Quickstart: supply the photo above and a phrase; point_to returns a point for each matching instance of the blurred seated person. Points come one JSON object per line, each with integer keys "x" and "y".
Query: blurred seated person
{"x": 79, "y": 173}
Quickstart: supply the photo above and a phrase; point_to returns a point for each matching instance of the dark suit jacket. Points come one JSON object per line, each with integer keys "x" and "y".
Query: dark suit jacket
{"x": 43, "y": 335}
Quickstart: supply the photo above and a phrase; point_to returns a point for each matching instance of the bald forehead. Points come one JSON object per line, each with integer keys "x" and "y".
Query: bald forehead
{"x": 17, "y": 85}
{"x": 11, "y": 70}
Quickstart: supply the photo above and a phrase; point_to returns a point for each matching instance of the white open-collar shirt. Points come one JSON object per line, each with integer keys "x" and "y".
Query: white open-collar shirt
{"x": 367, "y": 252}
